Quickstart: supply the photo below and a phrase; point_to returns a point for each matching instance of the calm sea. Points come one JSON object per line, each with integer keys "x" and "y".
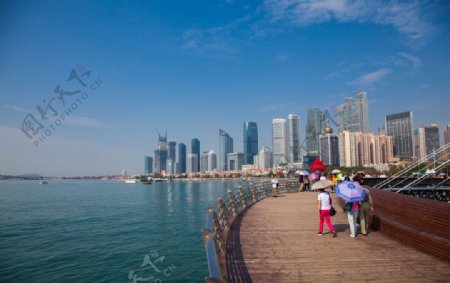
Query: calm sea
{"x": 104, "y": 231}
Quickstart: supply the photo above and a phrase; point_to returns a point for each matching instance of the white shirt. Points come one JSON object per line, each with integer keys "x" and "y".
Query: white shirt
{"x": 324, "y": 201}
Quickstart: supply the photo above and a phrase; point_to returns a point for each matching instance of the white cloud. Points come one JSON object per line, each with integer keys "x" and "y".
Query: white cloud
{"x": 17, "y": 109}
{"x": 86, "y": 122}
{"x": 371, "y": 77}
{"x": 415, "y": 61}
{"x": 406, "y": 17}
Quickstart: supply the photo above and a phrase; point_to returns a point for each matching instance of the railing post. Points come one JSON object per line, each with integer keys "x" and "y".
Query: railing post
{"x": 223, "y": 214}
{"x": 253, "y": 193}
{"x": 242, "y": 196}
{"x": 232, "y": 202}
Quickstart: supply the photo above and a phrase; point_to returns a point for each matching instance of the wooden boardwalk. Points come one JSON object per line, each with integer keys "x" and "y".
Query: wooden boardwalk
{"x": 276, "y": 240}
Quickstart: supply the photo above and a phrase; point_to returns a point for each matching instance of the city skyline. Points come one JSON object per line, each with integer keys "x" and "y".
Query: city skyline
{"x": 215, "y": 66}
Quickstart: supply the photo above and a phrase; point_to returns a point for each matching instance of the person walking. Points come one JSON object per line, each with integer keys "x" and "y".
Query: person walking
{"x": 352, "y": 209}
{"x": 366, "y": 206}
{"x": 301, "y": 183}
{"x": 324, "y": 206}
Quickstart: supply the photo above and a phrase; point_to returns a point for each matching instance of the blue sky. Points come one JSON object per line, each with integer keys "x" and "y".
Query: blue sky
{"x": 193, "y": 67}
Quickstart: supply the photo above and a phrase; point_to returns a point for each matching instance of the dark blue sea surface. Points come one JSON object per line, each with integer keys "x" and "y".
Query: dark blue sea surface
{"x": 104, "y": 231}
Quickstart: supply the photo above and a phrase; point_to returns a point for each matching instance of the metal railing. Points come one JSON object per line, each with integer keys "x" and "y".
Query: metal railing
{"x": 219, "y": 220}
{"x": 441, "y": 157}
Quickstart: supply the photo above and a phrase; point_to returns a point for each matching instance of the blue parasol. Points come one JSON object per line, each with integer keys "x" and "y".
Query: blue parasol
{"x": 350, "y": 191}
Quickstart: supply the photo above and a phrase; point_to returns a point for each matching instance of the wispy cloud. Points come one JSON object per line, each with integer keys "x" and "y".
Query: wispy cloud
{"x": 415, "y": 61}
{"x": 273, "y": 107}
{"x": 407, "y": 17}
{"x": 370, "y": 78}
{"x": 17, "y": 109}
{"x": 86, "y": 122}
{"x": 220, "y": 38}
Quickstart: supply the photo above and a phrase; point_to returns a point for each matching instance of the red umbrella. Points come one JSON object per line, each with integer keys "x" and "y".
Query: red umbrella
{"x": 317, "y": 165}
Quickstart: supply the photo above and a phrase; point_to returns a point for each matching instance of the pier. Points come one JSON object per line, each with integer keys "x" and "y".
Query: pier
{"x": 274, "y": 239}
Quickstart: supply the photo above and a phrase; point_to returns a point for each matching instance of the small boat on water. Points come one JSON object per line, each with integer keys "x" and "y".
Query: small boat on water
{"x": 131, "y": 181}
{"x": 43, "y": 182}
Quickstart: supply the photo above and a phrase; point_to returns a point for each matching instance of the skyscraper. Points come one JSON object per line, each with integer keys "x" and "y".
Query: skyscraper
{"x": 250, "y": 141}
{"x": 225, "y": 147}
{"x": 235, "y": 160}
{"x": 182, "y": 157}
{"x": 314, "y": 128}
{"x": 172, "y": 151}
{"x": 212, "y": 160}
{"x": 400, "y": 127}
{"x": 446, "y": 153}
{"x": 294, "y": 138}
{"x": 192, "y": 163}
{"x": 161, "y": 154}
{"x": 353, "y": 114}
{"x": 204, "y": 162}
{"x": 265, "y": 158}
{"x": 148, "y": 165}
{"x": 280, "y": 142}
{"x": 195, "y": 149}
{"x": 426, "y": 140}
{"x": 329, "y": 148}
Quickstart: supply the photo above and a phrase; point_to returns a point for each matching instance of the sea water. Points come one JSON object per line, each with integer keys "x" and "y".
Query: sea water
{"x": 104, "y": 231}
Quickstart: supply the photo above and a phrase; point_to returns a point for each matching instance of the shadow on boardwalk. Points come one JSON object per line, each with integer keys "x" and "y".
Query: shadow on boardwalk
{"x": 276, "y": 241}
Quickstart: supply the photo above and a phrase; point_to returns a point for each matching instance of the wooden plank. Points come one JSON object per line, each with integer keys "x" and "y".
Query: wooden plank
{"x": 276, "y": 241}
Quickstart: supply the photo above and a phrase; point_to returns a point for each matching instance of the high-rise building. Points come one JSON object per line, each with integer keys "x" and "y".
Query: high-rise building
{"x": 426, "y": 141}
{"x": 161, "y": 154}
{"x": 294, "y": 138}
{"x": 446, "y": 153}
{"x": 192, "y": 163}
{"x": 362, "y": 149}
{"x": 181, "y": 158}
{"x": 172, "y": 151}
{"x": 225, "y": 147}
{"x": 353, "y": 114}
{"x": 280, "y": 142}
{"x": 250, "y": 141}
{"x": 235, "y": 160}
{"x": 400, "y": 127}
{"x": 148, "y": 165}
{"x": 204, "y": 162}
{"x": 265, "y": 158}
{"x": 195, "y": 149}
{"x": 329, "y": 148}
{"x": 314, "y": 127}
{"x": 212, "y": 160}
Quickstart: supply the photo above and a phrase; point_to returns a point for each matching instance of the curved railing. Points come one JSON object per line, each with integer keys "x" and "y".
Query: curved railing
{"x": 219, "y": 220}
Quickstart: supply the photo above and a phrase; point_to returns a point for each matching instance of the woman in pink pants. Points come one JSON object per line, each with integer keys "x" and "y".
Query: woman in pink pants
{"x": 324, "y": 206}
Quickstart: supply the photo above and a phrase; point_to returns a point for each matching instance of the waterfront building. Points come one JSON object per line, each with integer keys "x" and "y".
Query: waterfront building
{"x": 446, "y": 153}
{"x": 314, "y": 126}
{"x": 426, "y": 140}
{"x": 161, "y": 154}
{"x": 353, "y": 114}
{"x": 294, "y": 155}
{"x": 265, "y": 158}
{"x": 204, "y": 162}
{"x": 329, "y": 148}
{"x": 148, "y": 165}
{"x": 280, "y": 142}
{"x": 195, "y": 149}
{"x": 170, "y": 166}
{"x": 172, "y": 154}
{"x": 235, "y": 160}
{"x": 364, "y": 149}
{"x": 225, "y": 147}
{"x": 400, "y": 127}
{"x": 181, "y": 158}
{"x": 250, "y": 141}
{"x": 192, "y": 163}
{"x": 212, "y": 160}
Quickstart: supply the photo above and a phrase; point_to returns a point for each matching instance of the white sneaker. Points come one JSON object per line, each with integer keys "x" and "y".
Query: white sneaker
{"x": 352, "y": 236}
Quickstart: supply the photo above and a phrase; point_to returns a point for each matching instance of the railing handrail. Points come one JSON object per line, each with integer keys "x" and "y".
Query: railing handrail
{"x": 218, "y": 223}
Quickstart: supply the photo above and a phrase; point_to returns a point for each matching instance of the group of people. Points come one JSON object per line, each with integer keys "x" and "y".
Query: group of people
{"x": 355, "y": 211}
